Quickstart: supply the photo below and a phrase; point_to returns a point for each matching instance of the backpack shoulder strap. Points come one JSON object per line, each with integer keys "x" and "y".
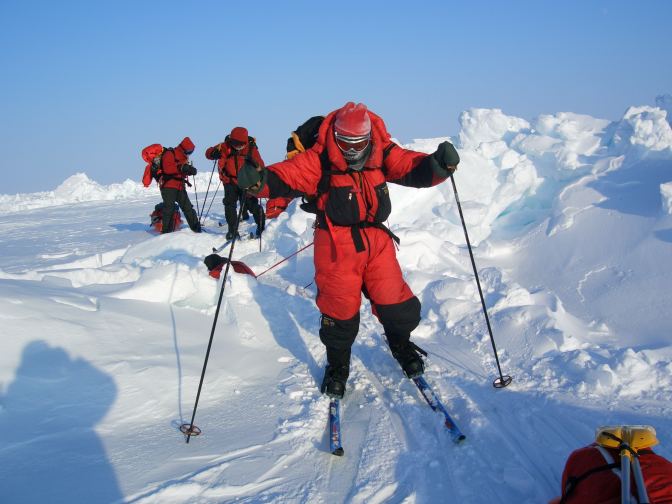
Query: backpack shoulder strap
{"x": 165, "y": 149}
{"x": 573, "y": 481}
{"x": 388, "y": 149}
{"x": 310, "y": 201}
{"x": 325, "y": 179}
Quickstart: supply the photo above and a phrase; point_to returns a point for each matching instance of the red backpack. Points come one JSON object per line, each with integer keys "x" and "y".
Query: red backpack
{"x": 152, "y": 154}
{"x": 592, "y": 475}
{"x": 157, "y": 218}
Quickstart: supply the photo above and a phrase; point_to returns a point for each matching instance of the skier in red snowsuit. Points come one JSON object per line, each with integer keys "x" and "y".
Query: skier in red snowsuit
{"x": 348, "y": 168}
{"x": 237, "y": 148}
{"x": 175, "y": 169}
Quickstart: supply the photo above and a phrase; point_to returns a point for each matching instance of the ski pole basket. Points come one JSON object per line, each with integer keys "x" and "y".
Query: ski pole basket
{"x": 189, "y": 430}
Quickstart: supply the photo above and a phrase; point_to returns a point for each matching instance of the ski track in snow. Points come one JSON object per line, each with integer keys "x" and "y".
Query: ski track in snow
{"x": 106, "y": 325}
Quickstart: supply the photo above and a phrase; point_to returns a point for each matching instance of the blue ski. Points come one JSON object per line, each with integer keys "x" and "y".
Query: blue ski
{"x": 335, "y": 427}
{"x": 437, "y": 406}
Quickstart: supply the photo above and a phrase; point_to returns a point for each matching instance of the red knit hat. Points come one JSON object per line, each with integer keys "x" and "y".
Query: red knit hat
{"x": 239, "y": 134}
{"x": 352, "y": 120}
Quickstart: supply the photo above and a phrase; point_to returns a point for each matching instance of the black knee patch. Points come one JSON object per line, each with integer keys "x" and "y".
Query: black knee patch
{"x": 399, "y": 319}
{"x": 338, "y": 334}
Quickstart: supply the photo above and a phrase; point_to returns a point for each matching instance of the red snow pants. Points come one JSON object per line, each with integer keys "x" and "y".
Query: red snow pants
{"x": 342, "y": 274}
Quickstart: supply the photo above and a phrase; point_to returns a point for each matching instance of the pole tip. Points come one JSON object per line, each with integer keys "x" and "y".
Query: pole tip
{"x": 502, "y": 381}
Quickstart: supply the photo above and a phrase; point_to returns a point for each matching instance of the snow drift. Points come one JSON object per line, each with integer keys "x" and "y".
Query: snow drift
{"x": 105, "y": 327}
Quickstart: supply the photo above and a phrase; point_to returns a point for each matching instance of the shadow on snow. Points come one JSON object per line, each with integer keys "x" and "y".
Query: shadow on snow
{"x": 50, "y": 451}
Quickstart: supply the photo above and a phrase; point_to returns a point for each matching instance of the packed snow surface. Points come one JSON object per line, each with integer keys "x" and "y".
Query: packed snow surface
{"x": 105, "y": 328}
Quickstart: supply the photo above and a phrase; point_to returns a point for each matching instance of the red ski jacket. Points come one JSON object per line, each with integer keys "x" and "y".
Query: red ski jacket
{"x": 171, "y": 162}
{"x": 347, "y": 197}
{"x": 352, "y": 245}
{"x": 303, "y": 172}
{"x": 230, "y": 160}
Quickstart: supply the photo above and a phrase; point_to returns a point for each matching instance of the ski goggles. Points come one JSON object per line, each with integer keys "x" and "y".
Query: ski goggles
{"x": 358, "y": 143}
{"x": 237, "y": 144}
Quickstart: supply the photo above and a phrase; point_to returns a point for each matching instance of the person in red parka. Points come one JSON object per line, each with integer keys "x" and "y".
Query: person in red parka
{"x": 175, "y": 168}
{"x": 236, "y": 149}
{"x": 592, "y": 476}
{"x": 348, "y": 168}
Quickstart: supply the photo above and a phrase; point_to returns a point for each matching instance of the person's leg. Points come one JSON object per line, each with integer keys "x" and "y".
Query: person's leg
{"x": 169, "y": 196}
{"x": 188, "y": 210}
{"x": 258, "y": 214}
{"x": 338, "y": 337}
{"x": 246, "y": 215}
{"x": 339, "y": 284}
{"x": 246, "y": 210}
{"x": 393, "y": 301}
{"x": 230, "y": 201}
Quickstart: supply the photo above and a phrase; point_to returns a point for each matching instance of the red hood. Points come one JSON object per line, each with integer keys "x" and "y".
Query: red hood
{"x": 187, "y": 145}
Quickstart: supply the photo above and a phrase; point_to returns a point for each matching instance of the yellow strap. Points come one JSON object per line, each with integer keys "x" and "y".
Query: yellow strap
{"x": 298, "y": 147}
{"x": 297, "y": 143}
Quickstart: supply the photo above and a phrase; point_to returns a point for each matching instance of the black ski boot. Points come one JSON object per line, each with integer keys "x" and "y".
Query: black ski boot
{"x": 229, "y": 236}
{"x": 334, "y": 380}
{"x": 408, "y": 356}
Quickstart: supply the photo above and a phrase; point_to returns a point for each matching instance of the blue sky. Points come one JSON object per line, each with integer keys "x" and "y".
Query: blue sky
{"x": 87, "y": 84}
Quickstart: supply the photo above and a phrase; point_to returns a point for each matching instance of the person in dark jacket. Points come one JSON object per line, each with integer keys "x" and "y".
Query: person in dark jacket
{"x": 348, "y": 169}
{"x": 175, "y": 168}
{"x": 236, "y": 149}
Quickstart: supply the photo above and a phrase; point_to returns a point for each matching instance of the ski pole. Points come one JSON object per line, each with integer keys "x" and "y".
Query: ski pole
{"x": 214, "y": 163}
{"x": 262, "y": 219}
{"x": 212, "y": 200}
{"x": 503, "y": 380}
{"x": 198, "y": 212}
{"x": 190, "y": 429}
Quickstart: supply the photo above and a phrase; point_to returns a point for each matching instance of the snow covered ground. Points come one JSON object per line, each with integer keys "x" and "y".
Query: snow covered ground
{"x": 105, "y": 327}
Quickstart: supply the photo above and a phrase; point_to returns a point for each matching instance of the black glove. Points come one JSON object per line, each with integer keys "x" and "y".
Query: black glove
{"x": 445, "y": 159}
{"x": 251, "y": 177}
{"x": 215, "y": 153}
{"x": 187, "y": 169}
